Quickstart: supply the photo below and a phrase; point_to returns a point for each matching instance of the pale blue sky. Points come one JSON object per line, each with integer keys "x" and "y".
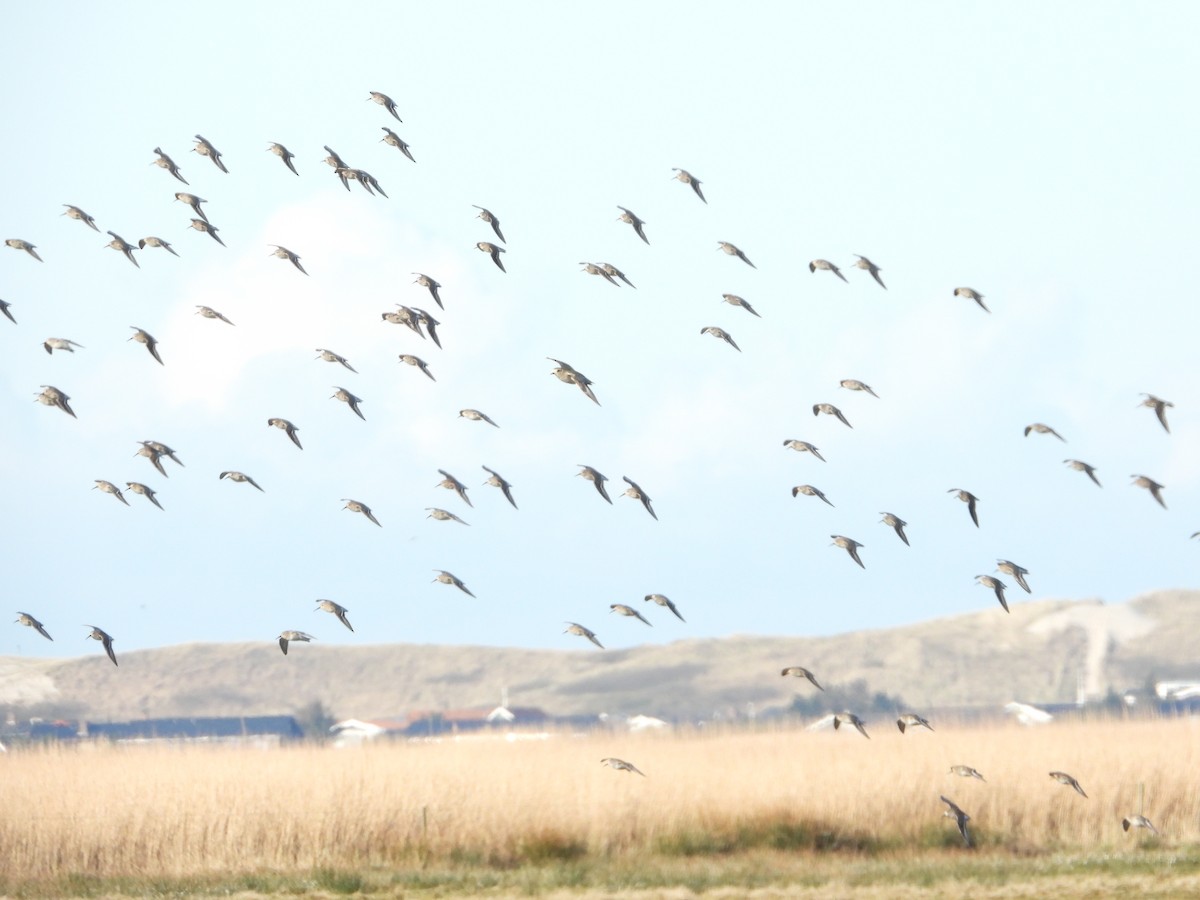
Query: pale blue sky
{"x": 1041, "y": 154}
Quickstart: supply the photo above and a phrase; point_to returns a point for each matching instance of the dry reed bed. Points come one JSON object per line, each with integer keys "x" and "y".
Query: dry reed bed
{"x": 180, "y": 811}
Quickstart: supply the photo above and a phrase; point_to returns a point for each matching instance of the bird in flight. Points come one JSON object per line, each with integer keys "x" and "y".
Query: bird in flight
{"x": 721, "y": 334}
{"x": 165, "y": 162}
{"x": 1158, "y": 405}
{"x": 803, "y": 447}
{"x": 621, "y": 765}
{"x": 631, "y": 218}
{"x": 971, "y": 294}
{"x": 144, "y": 337}
{"x": 1064, "y": 779}
{"x": 849, "y": 718}
{"x": 966, "y": 772}
{"x": 74, "y": 212}
{"x": 912, "y": 720}
{"x": 866, "y": 264}
{"x": 664, "y": 601}
{"x": 1152, "y": 486}
{"x": 970, "y": 499}
{"x": 52, "y": 396}
{"x": 809, "y": 491}
{"x": 494, "y": 252}
{"x": 107, "y": 487}
{"x": 336, "y": 609}
{"x": 826, "y": 266}
{"x": 637, "y": 493}
{"x": 801, "y": 672}
{"x": 445, "y": 577}
{"x": 894, "y": 521}
{"x": 239, "y": 477}
{"x": 497, "y": 480}
{"x": 581, "y": 631}
{"x": 595, "y": 478}
{"x": 830, "y": 410}
{"x": 1017, "y": 572}
{"x": 386, "y": 102}
{"x": 1040, "y": 428}
{"x": 285, "y": 154}
{"x": 285, "y": 253}
{"x": 732, "y": 250}
{"x": 488, "y": 216}
{"x": 624, "y": 610}
{"x": 443, "y": 515}
{"x": 849, "y": 545}
{"x": 104, "y": 638}
{"x": 24, "y": 618}
{"x": 688, "y": 178}
{"x": 960, "y": 819}
{"x": 145, "y": 490}
{"x": 358, "y": 507}
{"x": 348, "y": 398}
{"x": 996, "y": 585}
{"x": 285, "y": 637}
{"x": 1080, "y": 466}
{"x": 205, "y": 148}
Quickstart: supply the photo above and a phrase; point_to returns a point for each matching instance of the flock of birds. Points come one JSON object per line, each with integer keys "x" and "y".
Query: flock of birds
{"x": 424, "y": 324}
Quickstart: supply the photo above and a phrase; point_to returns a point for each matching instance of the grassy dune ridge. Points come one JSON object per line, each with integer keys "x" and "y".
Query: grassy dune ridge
{"x": 195, "y": 812}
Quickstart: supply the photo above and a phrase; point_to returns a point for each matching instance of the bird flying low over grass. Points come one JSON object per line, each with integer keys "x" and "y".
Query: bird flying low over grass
{"x": 1064, "y": 779}
{"x": 912, "y": 720}
{"x": 621, "y": 765}
{"x": 577, "y": 629}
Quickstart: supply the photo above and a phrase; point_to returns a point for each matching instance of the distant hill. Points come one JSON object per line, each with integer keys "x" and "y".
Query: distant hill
{"x": 1036, "y": 654}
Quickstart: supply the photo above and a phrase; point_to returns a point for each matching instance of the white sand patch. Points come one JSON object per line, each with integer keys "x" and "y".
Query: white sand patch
{"x": 1105, "y": 627}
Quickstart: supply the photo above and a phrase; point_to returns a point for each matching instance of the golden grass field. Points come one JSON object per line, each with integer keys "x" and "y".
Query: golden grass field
{"x": 781, "y": 810}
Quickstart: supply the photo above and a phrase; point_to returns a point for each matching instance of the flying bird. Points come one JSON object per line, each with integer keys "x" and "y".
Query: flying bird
{"x": 1156, "y": 403}
{"x": 24, "y": 618}
{"x": 104, "y": 638}
{"x": 894, "y": 521}
{"x": 1080, "y": 466}
{"x": 205, "y": 148}
{"x": 970, "y": 499}
{"x": 830, "y": 410}
{"x": 1152, "y": 486}
{"x": 577, "y": 629}
{"x": 849, "y": 718}
{"x": 488, "y": 216}
{"x": 662, "y": 600}
{"x": 966, "y": 772}
{"x": 209, "y": 313}
{"x": 1138, "y": 822}
{"x": 443, "y": 515}
{"x": 864, "y": 263}
{"x": 809, "y": 491}
{"x": 912, "y": 720}
{"x": 996, "y": 585}
{"x": 721, "y": 334}
{"x": 450, "y": 483}
{"x": 336, "y": 609}
{"x": 801, "y": 672}
{"x": 288, "y": 428}
{"x": 357, "y": 507}
{"x": 494, "y": 251}
{"x": 613, "y": 272}
{"x": 960, "y": 818}
{"x": 287, "y": 636}
{"x": 285, "y": 253}
{"x": 411, "y": 360}
{"x": 387, "y": 103}
{"x": 108, "y": 487}
{"x": 52, "y": 396}
{"x": 593, "y": 269}
{"x": 568, "y": 374}
{"x": 4, "y": 308}
{"x": 193, "y": 201}
{"x": 285, "y": 154}
{"x": 630, "y": 217}
{"x": 52, "y": 344}
{"x": 849, "y": 545}
{"x": 635, "y": 491}
{"x": 348, "y": 398}
{"x": 18, "y": 244}
{"x": 74, "y": 212}
{"x": 1065, "y": 779}
{"x": 1017, "y": 572}
{"x": 688, "y": 178}
{"x": 145, "y": 490}
{"x": 826, "y": 266}
{"x": 475, "y": 415}
{"x": 853, "y": 384}
{"x": 394, "y": 140}
{"x": 119, "y": 243}
{"x": 239, "y": 477}
{"x": 153, "y": 241}
{"x": 735, "y": 300}
{"x": 445, "y": 577}
{"x": 621, "y": 765}
{"x": 161, "y": 449}
{"x": 803, "y": 447}
{"x": 144, "y": 337}
{"x": 210, "y": 230}
{"x": 165, "y": 162}
{"x": 595, "y": 478}
{"x": 497, "y": 480}
{"x": 732, "y": 250}
{"x": 426, "y": 282}
{"x": 624, "y": 610}
{"x": 330, "y": 356}
{"x": 1039, "y": 428}
{"x": 971, "y": 294}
